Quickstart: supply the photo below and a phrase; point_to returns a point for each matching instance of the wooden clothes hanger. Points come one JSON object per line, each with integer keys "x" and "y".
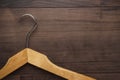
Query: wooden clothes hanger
{"x": 39, "y": 60}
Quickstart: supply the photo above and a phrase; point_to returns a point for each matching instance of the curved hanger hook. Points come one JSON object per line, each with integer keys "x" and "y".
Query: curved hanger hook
{"x": 32, "y": 30}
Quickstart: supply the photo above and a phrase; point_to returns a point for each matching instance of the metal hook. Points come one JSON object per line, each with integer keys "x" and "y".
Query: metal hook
{"x": 31, "y": 31}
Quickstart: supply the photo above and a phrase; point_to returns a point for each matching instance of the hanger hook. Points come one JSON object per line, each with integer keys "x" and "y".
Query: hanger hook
{"x": 32, "y": 30}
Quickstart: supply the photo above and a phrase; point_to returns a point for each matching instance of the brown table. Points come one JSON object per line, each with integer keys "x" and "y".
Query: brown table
{"x": 81, "y": 35}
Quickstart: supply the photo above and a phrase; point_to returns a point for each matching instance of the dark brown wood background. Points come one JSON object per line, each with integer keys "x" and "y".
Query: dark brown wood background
{"x": 81, "y": 35}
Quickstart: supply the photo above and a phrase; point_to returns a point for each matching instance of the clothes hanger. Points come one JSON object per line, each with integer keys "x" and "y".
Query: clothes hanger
{"x": 39, "y": 60}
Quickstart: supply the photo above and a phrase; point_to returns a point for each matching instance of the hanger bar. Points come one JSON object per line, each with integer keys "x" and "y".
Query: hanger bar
{"x": 41, "y": 61}
{"x": 35, "y": 25}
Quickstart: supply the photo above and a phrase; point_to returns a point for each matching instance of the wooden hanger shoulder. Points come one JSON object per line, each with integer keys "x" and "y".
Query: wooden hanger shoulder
{"x": 41, "y": 61}
{"x": 14, "y": 63}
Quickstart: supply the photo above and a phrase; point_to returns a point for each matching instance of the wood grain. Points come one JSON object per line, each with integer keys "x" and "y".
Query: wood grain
{"x": 39, "y": 60}
{"x": 110, "y": 3}
{"x": 49, "y": 3}
{"x": 84, "y": 39}
{"x": 58, "y": 3}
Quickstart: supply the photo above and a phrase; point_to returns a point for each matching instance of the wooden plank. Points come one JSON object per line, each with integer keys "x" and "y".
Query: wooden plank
{"x": 59, "y": 26}
{"x": 47, "y": 3}
{"x": 46, "y": 76}
{"x": 59, "y": 3}
{"x": 59, "y": 14}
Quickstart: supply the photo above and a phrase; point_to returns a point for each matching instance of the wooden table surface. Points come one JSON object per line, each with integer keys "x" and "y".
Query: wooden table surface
{"x": 80, "y": 35}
